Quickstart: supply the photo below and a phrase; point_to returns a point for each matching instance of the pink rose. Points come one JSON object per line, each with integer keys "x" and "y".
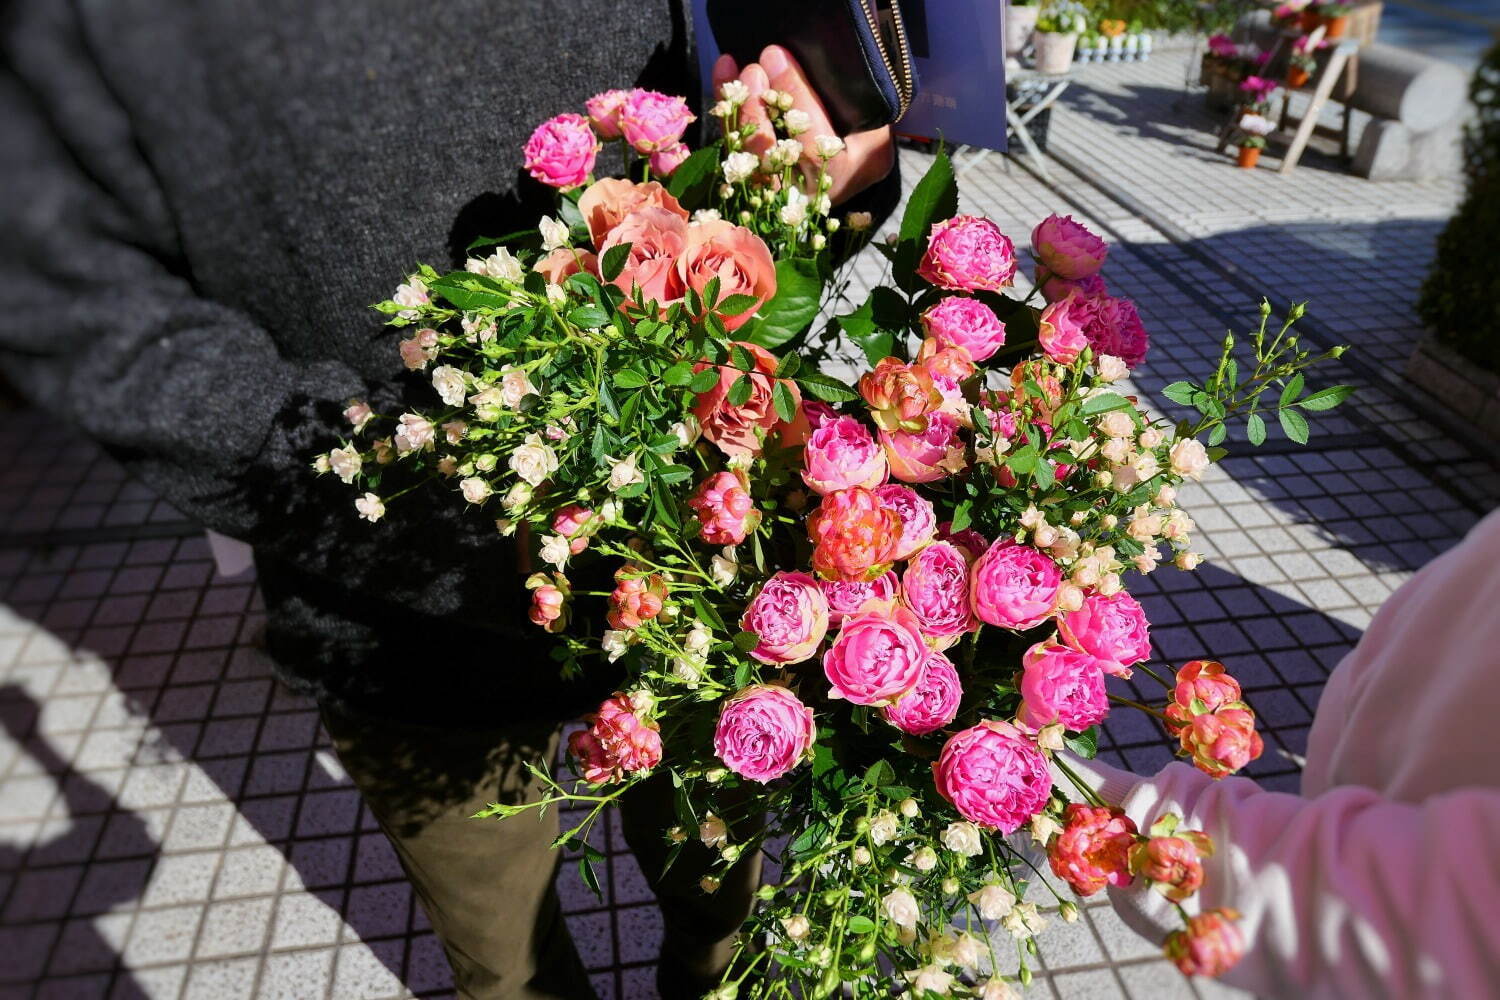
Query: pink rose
{"x": 918, "y": 519}
{"x": 1222, "y": 742}
{"x": 932, "y": 704}
{"x": 1066, "y": 248}
{"x": 935, "y": 587}
{"x": 1093, "y": 849}
{"x": 1058, "y": 288}
{"x": 1061, "y": 328}
{"x": 900, "y": 395}
{"x": 853, "y": 535}
{"x": 576, "y": 524}
{"x": 969, "y": 254}
{"x": 1210, "y": 945}
{"x": 1061, "y": 685}
{"x": 664, "y": 161}
{"x": 561, "y": 152}
{"x": 966, "y": 324}
{"x": 932, "y": 453}
{"x": 1113, "y": 629}
{"x": 737, "y": 257}
{"x": 657, "y": 237}
{"x": 790, "y": 617}
{"x": 876, "y": 658}
{"x": 840, "y": 454}
{"x": 651, "y": 121}
{"x": 726, "y": 512}
{"x": 1204, "y": 682}
{"x": 971, "y": 541}
{"x": 1117, "y": 330}
{"x": 1174, "y": 865}
{"x": 740, "y": 431}
{"x": 764, "y": 731}
{"x": 618, "y": 742}
{"x": 563, "y": 262}
{"x": 993, "y": 775}
{"x": 1014, "y": 586}
{"x": 605, "y": 203}
{"x": 848, "y": 597}
{"x": 636, "y": 599}
{"x": 549, "y": 601}
{"x": 604, "y": 112}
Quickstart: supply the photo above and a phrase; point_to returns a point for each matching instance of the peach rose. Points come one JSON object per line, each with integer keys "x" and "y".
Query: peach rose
{"x": 604, "y": 203}
{"x": 742, "y": 430}
{"x": 737, "y": 257}
{"x": 565, "y": 261}
{"x": 657, "y": 237}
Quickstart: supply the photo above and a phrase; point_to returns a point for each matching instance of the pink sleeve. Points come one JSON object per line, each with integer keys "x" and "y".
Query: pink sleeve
{"x": 1343, "y": 895}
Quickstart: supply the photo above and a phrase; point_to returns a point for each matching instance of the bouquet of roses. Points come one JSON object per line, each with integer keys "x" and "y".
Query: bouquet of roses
{"x": 857, "y": 623}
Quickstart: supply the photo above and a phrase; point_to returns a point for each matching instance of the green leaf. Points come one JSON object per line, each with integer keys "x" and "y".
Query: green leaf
{"x": 786, "y": 406}
{"x": 490, "y": 241}
{"x": 711, "y": 292}
{"x": 799, "y": 289}
{"x": 1084, "y": 744}
{"x": 880, "y": 773}
{"x": 1217, "y": 435}
{"x": 679, "y": 374}
{"x": 1023, "y": 460}
{"x": 859, "y": 924}
{"x": 590, "y": 877}
{"x": 744, "y": 674}
{"x": 588, "y": 317}
{"x": 694, "y": 177}
{"x": 707, "y": 613}
{"x": 826, "y": 388}
{"x": 1295, "y": 425}
{"x": 1326, "y": 399}
{"x": 789, "y": 366}
{"x": 614, "y": 261}
{"x": 673, "y": 474}
{"x": 567, "y": 210}
{"x": 461, "y": 293}
{"x": 740, "y": 391}
{"x": 746, "y": 641}
{"x": 877, "y": 346}
{"x": 1181, "y": 392}
{"x": 1292, "y": 390}
{"x": 736, "y": 304}
{"x": 628, "y": 378}
{"x": 962, "y": 517}
{"x": 933, "y": 199}
{"x": 1105, "y": 402}
{"x": 741, "y": 358}
{"x": 705, "y": 380}
{"x": 861, "y": 322}
{"x": 665, "y": 509}
{"x": 1255, "y": 430}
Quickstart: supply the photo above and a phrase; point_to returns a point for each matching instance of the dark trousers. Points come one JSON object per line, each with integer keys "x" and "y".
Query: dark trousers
{"x": 488, "y": 885}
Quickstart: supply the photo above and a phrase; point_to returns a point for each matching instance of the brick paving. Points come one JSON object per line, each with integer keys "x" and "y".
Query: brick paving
{"x": 172, "y": 825}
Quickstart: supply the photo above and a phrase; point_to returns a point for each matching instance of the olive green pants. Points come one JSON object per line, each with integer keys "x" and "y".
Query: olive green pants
{"x": 488, "y": 885}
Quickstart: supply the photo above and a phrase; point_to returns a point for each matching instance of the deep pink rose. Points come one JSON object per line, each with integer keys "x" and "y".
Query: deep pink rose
{"x": 853, "y": 535}
{"x": 650, "y": 121}
{"x": 817, "y": 413}
{"x": 848, "y": 597}
{"x": 918, "y": 518}
{"x": 968, "y": 253}
{"x": 931, "y": 453}
{"x": 1210, "y": 945}
{"x": 1067, "y": 248}
{"x": 604, "y": 112}
{"x": 932, "y": 704}
{"x": 561, "y": 152}
{"x": 935, "y": 587}
{"x": 1058, "y": 288}
{"x": 1113, "y": 629}
{"x": 876, "y": 658}
{"x": 968, "y": 539}
{"x": 840, "y": 454}
{"x": 966, "y": 324}
{"x": 789, "y": 616}
{"x": 734, "y": 255}
{"x": 993, "y": 775}
{"x": 764, "y": 731}
{"x": 665, "y": 161}
{"x": 1061, "y": 685}
{"x": 1014, "y": 586}
{"x": 657, "y": 237}
{"x": 1117, "y": 330}
{"x": 618, "y": 742}
{"x": 1093, "y": 849}
{"x": 1062, "y": 328}
{"x": 726, "y": 512}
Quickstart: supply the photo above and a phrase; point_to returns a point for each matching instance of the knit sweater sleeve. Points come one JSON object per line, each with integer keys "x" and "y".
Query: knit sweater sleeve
{"x": 1347, "y": 894}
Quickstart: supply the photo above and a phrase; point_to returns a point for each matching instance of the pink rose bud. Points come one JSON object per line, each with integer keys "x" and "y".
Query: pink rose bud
{"x": 576, "y": 524}
{"x": 1093, "y": 849}
{"x": 636, "y": 598}
{"x": 789, "y": 616}
{"x": 932, "y": 704}
{"x": 848, "y": 597}
{"x": 726, "y": 512}
{"x": 618, "y": 742}
{"x": 651, "y": 121}
{"x": 549, "y": 601}
{"x": 1066, "y": 248}
{"x": 1113, "y": 629}
{"x": 965, "y": 324}
{"x": 1061, "y": 328}
{"x": 1173, "y": 865}
{"x": 817, "y": 413}
{"x": 853, "y": 535}
{"x": 604, "y": 112}
{"x": 968, "y": 254}
{"x": 1014, "y": 586}
{"x": 1222, "y": 742}
{"x": 935, "y": 587}
{"x": 1061, "y": 685}
{"x": 994, "y": 776}
{"x": 1209, "y": 946}
{"x": 876, "y": 658}
{"x": 561, "y": 152}
{"x": 840, "y": 454}
{"x": 665, "y": 161}
{"x": 764, "y": 731}
{"x": 918, "y": 518}
{"x": 901, "y": 395}
{"x": 1202, "y": 686}
{"x": 1058, "y": 288}
{"x": 943, "y": 363}
{"x": 926, "y": 455}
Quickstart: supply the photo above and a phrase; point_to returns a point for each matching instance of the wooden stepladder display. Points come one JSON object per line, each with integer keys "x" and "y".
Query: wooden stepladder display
{"x": 1333, "y": 64}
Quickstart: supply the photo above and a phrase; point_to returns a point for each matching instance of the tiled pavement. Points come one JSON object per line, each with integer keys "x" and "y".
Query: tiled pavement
{"x": 173, "y": 826}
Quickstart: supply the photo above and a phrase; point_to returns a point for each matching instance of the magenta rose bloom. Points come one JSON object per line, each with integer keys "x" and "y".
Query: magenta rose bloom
{"x": 849, "y": 597}
{"x": 967, "y": 325}
{"x": 918, "y": 519}
{"x": 764, "y": 731}
{"x": 1061, "y": 685}
{"x": 651, "y": 121}
{"x": 931, "y": 453}
{"x": 968, "y": 539}
{"x": 968, "y": 253}
{"x": 1066, "y": 248}
{"x": 1112, "y": 629}
{"x": 726, "y": 511}
{"x": 790, "y": 616}
{"x": 876, "y": 658}
{"x": 1058, "y": 288}
{"x": 604, "y": 112}
{"x": 1062, "y": 328}
{"x": 1014, "y": 586}
{"x": 842, "y": 453}
{"x": 1116, "y": 329}
{"x": 618, "y": 742}
{"x": 993, "y": 775}
{"x": 935, "y": 587}
{"x": 817, "y": 414}
{"x": 561, "y": 152}
{"x": 932, "y": 704}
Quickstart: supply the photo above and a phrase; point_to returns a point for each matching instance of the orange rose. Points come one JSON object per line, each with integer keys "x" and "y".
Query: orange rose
{"x": 605, "y": 203}
{"x": 737, "y": 257}
{"x": 900, "y": 395}
{"x": 564, "y": 261}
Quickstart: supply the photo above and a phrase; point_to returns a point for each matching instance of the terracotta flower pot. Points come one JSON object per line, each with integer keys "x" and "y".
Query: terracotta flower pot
{"x": 1309, "y": 20}
{"x": 1296, "y": 76}
{"x": 1249, "y": 156}
{"x": 1335, "y": 27}
{"x": 1054, "y": 51}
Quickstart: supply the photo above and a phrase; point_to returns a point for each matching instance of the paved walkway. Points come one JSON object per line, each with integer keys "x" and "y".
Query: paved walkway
{"x": 171, "y": 825}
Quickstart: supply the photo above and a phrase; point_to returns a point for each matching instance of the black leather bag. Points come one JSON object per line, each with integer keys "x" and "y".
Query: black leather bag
{"x": 855, "y": 52}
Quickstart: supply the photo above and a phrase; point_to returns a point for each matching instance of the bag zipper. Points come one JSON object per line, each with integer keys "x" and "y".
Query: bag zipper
{"x": 902, "y": 75}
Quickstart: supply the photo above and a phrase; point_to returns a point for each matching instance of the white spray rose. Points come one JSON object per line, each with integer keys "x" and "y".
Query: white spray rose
{"x": 370, "y": 507}
{"x": 449, "y": 383}
{"x": 345, "y": 463}
{"x": 993, "y": 901}
{"x": 533, "y": 461}
{"x": 554, "y": 233}
{"x": 963, "y": 838}
{"x": 901, "y": 908}
{"x": 475, "y": 490}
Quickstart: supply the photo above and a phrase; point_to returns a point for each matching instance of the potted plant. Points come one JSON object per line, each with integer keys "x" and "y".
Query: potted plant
{"x": 1020, "y": 22}
{"x": 1302, "y": 62}
{"x": 1145, "y": 46}
{"x": 1089, "y": 48}
{"x": 1335, "y": 18}
{"x": 1132, "y": 46}
{"x": 1288, "y": 16}
{"x": 1253, "y": 131}
{"x": 1058, "y": 25}
{"x": 1255, "y": 93}
{"x": 1113, "y": 30}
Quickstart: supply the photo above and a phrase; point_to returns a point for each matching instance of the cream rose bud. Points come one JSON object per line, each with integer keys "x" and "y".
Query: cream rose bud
{"x": 1146, "y": 466}
{"x": 475, "y": 490}
{"x": 860, "y": 221}
{"x": 1070, "y": 597}
{"x": 1023, "y": 921}
{"x": 1051, "y": 737}
{"x": 1110, "y": 368}
{"x": 370, "y": 507}
{"x": 1117, "y": 451}
{"x": 505, "y": 526}
{"x": 884, "y": 826}
{"x": 534, "y": 461}
{"x": 623, "y": 472}
{"x": 555, "y": 550}
{"x": 723, "y": 568}
{"x": 965, "y": 951}
{"x": 712, "y": 831}
{"x": 1117, "y": 424}
{"x": 1109, "y": 584}
{"x": 1044, "y": 536}
{"x": 861, "y": 856}
{"x": 514, "y": 387}
{"x": 998, "y": 989}
{"x": 1044, "y": 827}
{"x": 901, "y": 908}
{"x": 950, "y": 886}
{"x": 556, "y": 295}
{"x": 910, "y": 809}
{"x": 797, "y": 121}
{"x": 735, "y": 92}
{"x": 707, "y": 215}
{"x": 449, "y": 383}
{"x": 487, "y": 462}
{"x": 708, "y": 884}
{"x": 687, "y": 430}
{"x": 797, "y": 927}
{"x": 614, "y": 642}
{"x": 1151, "y": 437}
{"x": 698, "y": 639}
{"x": 1188, "y": 560}
{"x": 925, "y": 859}
{"x": 687, "y": 669}
{"x": 345, "y": 463}
{"x": 554, "y": 233}
{"x": 794, "y": 212}
{"x": 642, "y": 701}
{"x": 321, "y": 464}
{"x": 358, "y": 413}
{"x": 963, "y": 838}
{"x": 828, "y": 146}
{"x": 519, "y": 496}
{"x": 739, "y": 166}
{"x": 993, "y": 901}
{"x": 1189, "y": 458}
{"x": 500, "y": 265}
{"x": 1068, "y": 910}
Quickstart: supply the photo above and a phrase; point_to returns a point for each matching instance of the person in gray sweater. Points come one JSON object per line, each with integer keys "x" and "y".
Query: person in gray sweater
{"x": 199, "y": 202}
